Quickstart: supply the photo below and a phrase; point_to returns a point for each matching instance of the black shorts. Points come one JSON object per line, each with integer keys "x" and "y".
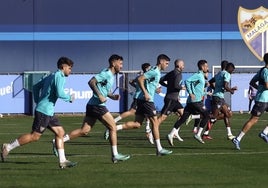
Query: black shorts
{"x": 218, "y": 102}
{"x": 42, "y": 122}
{"x": 171, "y": 106}
{"x": 196, "y": 108}
{"x": 95, "y": 111}
{"x": 145, "y": 108}
{"x": 134, "y": 104}
{"x": 259, "y": 108}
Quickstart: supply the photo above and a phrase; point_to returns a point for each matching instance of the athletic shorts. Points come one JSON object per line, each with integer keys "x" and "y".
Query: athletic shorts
{"x": 259, "y": 108}
{"x": 171, "y": 106}
{"x": 218, "y": 102}
{"x": 196, "y": 108}
{"x": 42, "y": 122}
{"x": 95, "y": 111}
{"x": 145, "y": 108}
{"x": 134, "y": 104}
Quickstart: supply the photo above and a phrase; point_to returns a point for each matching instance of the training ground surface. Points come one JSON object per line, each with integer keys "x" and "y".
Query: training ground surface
{"x": 213, "y": 164}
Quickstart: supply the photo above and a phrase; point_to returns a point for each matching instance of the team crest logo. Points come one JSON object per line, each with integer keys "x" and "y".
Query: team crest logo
{"x": 253, "y": 26}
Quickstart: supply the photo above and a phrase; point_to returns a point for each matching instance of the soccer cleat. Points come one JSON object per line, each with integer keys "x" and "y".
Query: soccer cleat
{"x": 170, "y": 139}
{"x": 199, "y": 139}
{"x": 4, "y": 152}
{"x": 236, "y": 143}
{"x": 54, "y": 149}
{"x": 189, "y": 119}
{"x": 178, "y": 137}
{"x": 106, "y": 134}
{"x": 230, "y": 137}
{"x": 67, "y": 164}
{"x": 163, "y": 152}
{"x": 120, "y": 157}
{"x": 150, "y": 137}
{"x": 264, "y": 137}
{"x": 206, "y": 137}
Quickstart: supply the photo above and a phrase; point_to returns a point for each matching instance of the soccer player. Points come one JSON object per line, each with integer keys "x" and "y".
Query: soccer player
{"x": 173, "y": 81}
{"x": 220, "y": 109}
{"x": 195, "y": 85}
{"x": 133, "y": 107}
{"x": 260, "y": 106}
{"x": 46, "y": 92}
{"x": 96, "y": 109}
{"x": 148, "y": 83}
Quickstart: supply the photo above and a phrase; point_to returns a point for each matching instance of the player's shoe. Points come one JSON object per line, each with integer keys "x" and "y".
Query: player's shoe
{"x": 54, "y": 149}
{"x": 230, "y": 137}
{"x": 206, "y": 137}
{"x": 199, "y": 139}
{"x": 67, "y": 164}
{"x": 4, "y": 152}
{"x": 150, "y": 137}
{"x": 178, "y": 137}
{"x": 163, "y": 152}
{"x": 236, "y": 143}
{"x": 189, "y": 119}
{"x": 264, "y": 137}
{"x": 170, "y": 139}
{"x": 106, "y": 134}
{"x": 120, "y": 157}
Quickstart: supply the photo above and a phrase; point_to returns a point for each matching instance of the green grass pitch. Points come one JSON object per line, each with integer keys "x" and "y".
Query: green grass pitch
{"x": 213, "y": 164}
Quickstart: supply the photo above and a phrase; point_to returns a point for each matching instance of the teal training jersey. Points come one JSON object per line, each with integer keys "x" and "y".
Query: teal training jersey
{"x": 105, "y": 81}
{"x": 195, "y": 84}
{"x": 220, "y": 79}
{"x": 48, "y": 90}
{"x": 261, "y": 77}
{"x": 152, "y": 80}
{"x": 137, "y": 88}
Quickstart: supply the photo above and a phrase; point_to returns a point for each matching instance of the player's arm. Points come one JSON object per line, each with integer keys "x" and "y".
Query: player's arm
{"x": 93, "y": 85}
{"x": 36, "y": 90}
{"x": 141, "y": 80}
{"x": 59, "y": 83}
{"x": 114, "y": 96}
{"x": 163, "y": 80}
{"x": 229, "y": 89}
{"x": 212, "y": 82}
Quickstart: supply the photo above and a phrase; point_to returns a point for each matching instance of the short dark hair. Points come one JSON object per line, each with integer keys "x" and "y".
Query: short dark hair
{"x": 200, "y": 63}
{"x": 64, "y": 60}
{"x": 114, "y": 57}
{"x": 265, "y": 58}
{"x": 162, "y": 56}
{"x": 224, "y": 64}
{"x": 230, "y": 65}
{"x": 144, "y": 66}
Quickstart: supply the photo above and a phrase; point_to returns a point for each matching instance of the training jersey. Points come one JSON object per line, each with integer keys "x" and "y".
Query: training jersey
{"x": 220, "y": 78}
{"x": 195, "y": 84}
{"x": 152, "y": 80}
{"x": 173, "y": 81}
{"x": 261, "y": 76}
{"x": 105, "y": 81}
{"x": 137, "y": 88}
{"x": 48, "y": 90}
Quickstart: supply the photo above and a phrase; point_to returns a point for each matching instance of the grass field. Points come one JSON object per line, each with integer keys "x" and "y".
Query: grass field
{"x": 213, "y": 164}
